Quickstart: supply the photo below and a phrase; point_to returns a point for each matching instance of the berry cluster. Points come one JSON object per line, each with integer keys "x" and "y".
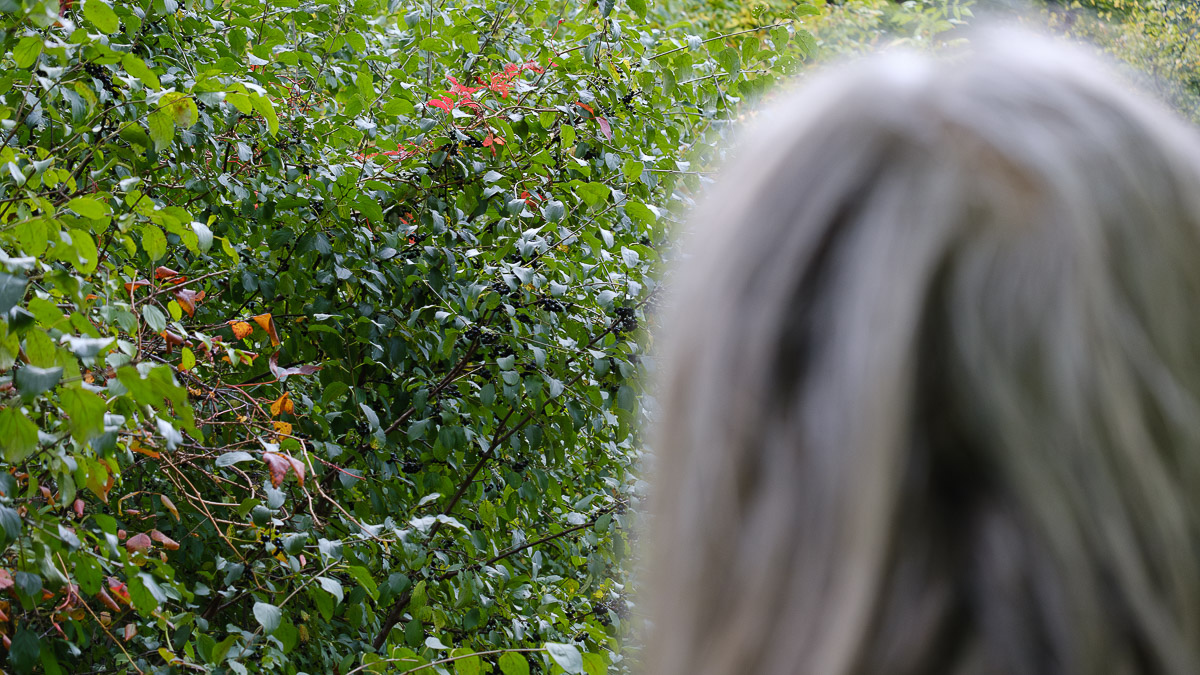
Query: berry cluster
{"x": 473, "y": 143}
{"x": 550, "y": 304}
{"x": 100, "y": 73}
{"x": 473, "y": 333}
{"x": 410, "y": 466}
{"x": 499, "y": 287}
{"x": 520, "y": 465}
{"x": 627, "y": 99}
{"x": 626, "y": 320}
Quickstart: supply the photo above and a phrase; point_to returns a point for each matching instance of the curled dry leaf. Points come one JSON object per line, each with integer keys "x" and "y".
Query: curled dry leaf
{"x": 268, "y": 324}
{"x": 169, "y": 506}
{"x": 138, "y": 543}
{"x": 108, "y": 601}
{"x": 188, "y": 299}
{"x": 167, "y": 542}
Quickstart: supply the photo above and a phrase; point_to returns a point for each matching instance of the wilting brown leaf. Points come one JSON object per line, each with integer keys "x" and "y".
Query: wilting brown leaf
{"x": 241, "y": 329}
{"x": 188, "y": 299}
{"x": 268, "y": 324}
{"x": 167, "y": 542}
{"x": 164, "y": 273}
{"x": 282, "y": 373}
{"x": 108, "y": 601}
{"x": 277, "y": 466}
{"x": 130, "y": 632}
{"x": 169, "y": 505}
{"x": 283, "y": 404}
{"x": 297, "y": 467}
{"x": 138, "y": 543}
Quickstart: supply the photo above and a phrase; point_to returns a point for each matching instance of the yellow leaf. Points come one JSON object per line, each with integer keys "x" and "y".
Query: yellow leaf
{"x": 241, "y": 329}
{"x": 283, "y": 428}
{"x": 283, "y": 404}
{"x": 268, "y": 324}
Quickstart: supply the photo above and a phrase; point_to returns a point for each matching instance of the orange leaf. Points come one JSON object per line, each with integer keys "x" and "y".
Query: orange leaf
{"x": 138, "y": 543}
{"x": 134, "y": 285}
{"x": 283, "y": 428}
{"x": 167, "y": 542}
{"x": 91, "y": 296}
{"x": 277, "y": 466}
{"x": 241, "y": 329}
{"x": 137, "y": 447}
{"x": 283, "y": 404}
{"x": 268, "y": 324}
{"x": 167, "y": 273}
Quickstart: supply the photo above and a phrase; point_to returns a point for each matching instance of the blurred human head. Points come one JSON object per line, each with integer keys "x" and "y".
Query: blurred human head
{"x": 930, "y": 395}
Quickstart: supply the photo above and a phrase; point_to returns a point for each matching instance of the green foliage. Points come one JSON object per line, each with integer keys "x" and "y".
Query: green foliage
{"x": 319, "y": 324}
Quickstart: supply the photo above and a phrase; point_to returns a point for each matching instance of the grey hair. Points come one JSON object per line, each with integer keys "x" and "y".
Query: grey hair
{"x": 930, "y": 390}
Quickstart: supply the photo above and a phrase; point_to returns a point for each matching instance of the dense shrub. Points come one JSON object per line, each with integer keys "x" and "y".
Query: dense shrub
{"x": 320, "y": 324}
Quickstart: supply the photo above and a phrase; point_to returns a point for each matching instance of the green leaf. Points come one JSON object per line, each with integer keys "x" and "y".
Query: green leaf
{"x": 592, "y": 193}
{"x": 263, "y": 105}
{"x": 513, "y": 663}
{"x": 156, "y": 321}
{"x": 363, "y": 577}
{"x": 162, "y": 129}
{"x": 18, "y": 435}
{"x": 88, "y": 208}
{"x": 101, "y": 15}
{"x": 154, "y": 242}
{"x": 566, "y": 656}
{"x": 640, "y": 212}
{"x": 638, "y": 7}
{"x": 268, "y": 616}
{"x": 32, "y": 380}
{"x": 85, "y": 251}
{"x": 85, "y": 410}
{"x": 632, "y": 169}
{"x": 594, "y": 664}
{"x": 25, "y": 651}
{"x": 28, "y": 49}
{"x": 138, "y": 68}
{"x": 467, "y": 664}
{"x": 332, "y": 587}
{"x": 729, "y": 59}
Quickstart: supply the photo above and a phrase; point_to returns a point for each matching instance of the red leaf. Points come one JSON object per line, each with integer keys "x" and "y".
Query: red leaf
{"x": 164, "y": 273}
{"x": 605, "y": 128}
{"x": 586, "y": 107}
{"x": 118, "y": 589}
{"x": 445, "y": 103}
{"x": 6, "y": 580}
{"x": 138, "y": 543}
{"x": 130, "y": 632}
{"x": 78, "y": 508}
